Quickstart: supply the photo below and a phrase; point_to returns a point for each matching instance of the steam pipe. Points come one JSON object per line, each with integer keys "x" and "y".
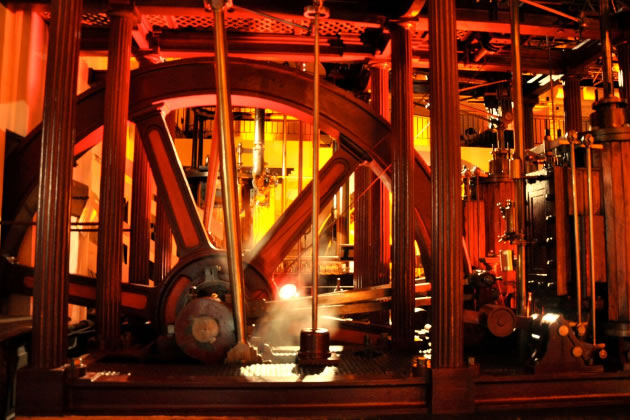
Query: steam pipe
{"x": 518, "y": 157}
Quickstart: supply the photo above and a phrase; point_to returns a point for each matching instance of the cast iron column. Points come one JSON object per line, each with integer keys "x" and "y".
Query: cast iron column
{"x": 572, "y": 103}
{"x": 446, "y": 240}
{"x": 372, "y": 203}
{"x": 141, "y": 196}
{"x": 403, "y": 290}
{"x": 379, "y": 254}
{"x": 50, "y": 294}
{"x": 109, "y": 257}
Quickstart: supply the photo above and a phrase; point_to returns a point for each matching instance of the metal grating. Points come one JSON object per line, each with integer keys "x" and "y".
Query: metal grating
{"x": 95, "y": 20}
{"x": 266, "y": 25}
{"x": 238, "y": 23}
{"x": 156, "y": 20}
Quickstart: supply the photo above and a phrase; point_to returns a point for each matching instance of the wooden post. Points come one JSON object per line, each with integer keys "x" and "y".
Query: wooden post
{"x": 50, "y": 294}
{"x": 449, "y": 376}
{"x": 572, "y": 103}
{"x": 141, "y": 196}
{"x": 109, "y": 257}
{"x": 403, "y": 291}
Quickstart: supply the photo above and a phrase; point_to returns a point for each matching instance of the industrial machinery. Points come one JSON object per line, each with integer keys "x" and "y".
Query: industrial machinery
{"x": 545, "y": 284}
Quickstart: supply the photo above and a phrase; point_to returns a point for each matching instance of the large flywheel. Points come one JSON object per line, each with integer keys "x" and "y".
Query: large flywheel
{"x": 363, "y": 137}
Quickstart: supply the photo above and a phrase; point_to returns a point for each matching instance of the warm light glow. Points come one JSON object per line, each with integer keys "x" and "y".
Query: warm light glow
{"x": 588, "y": 93}
{"x": 560, "y": 92}
{"x": 288, "y": 291}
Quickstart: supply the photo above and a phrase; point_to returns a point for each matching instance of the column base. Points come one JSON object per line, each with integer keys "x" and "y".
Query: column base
{"x": 452, "y": 390}
{"x": 40, "y": 392}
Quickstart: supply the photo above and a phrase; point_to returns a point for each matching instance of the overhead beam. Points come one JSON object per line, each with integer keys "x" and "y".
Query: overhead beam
{"x": 534, "y": 61}
{"x": 254, "y": 46}
{"x": 478, "y": 20}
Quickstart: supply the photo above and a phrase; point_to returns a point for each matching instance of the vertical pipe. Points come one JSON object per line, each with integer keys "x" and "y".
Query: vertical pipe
{"x": 576, "y": 226}
{"x": 604, "y": 15}
{"x": 229, "y": 176}
{"x": 517, "y": 161}
{"x": 50, "y": 294}
{"x": 591, "y": 229}
{"x": 403, "y": 287}
{"x": 447, "y": 218}
{"x": 315, "y": 182}
{"x": 140, "y": 241}
{"x": 109, "y": 256}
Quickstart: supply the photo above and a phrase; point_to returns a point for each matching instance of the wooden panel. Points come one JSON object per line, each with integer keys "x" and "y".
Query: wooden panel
{"x": 564, "y": 268}
{"x": 616, "y": 194}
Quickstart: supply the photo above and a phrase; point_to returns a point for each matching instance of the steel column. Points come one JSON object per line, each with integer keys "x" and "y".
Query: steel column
{"x": 50, "y": 296}
{"x": 141, "y": 197}
{"x": 447, "y": 274}
{"x": 403, "y": 292}
{"x": 572, "y": 103}
{"x": 109, "y": 256}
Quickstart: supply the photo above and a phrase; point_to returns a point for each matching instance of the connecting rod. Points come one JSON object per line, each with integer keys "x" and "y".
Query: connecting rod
{"x": 242, "y": 352}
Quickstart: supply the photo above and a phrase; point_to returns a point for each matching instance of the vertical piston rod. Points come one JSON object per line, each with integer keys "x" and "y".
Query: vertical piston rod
{"x": 315, "y": 226}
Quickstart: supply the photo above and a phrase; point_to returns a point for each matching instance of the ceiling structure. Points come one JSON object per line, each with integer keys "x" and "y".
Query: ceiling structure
{"x": 557, "y": 36}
